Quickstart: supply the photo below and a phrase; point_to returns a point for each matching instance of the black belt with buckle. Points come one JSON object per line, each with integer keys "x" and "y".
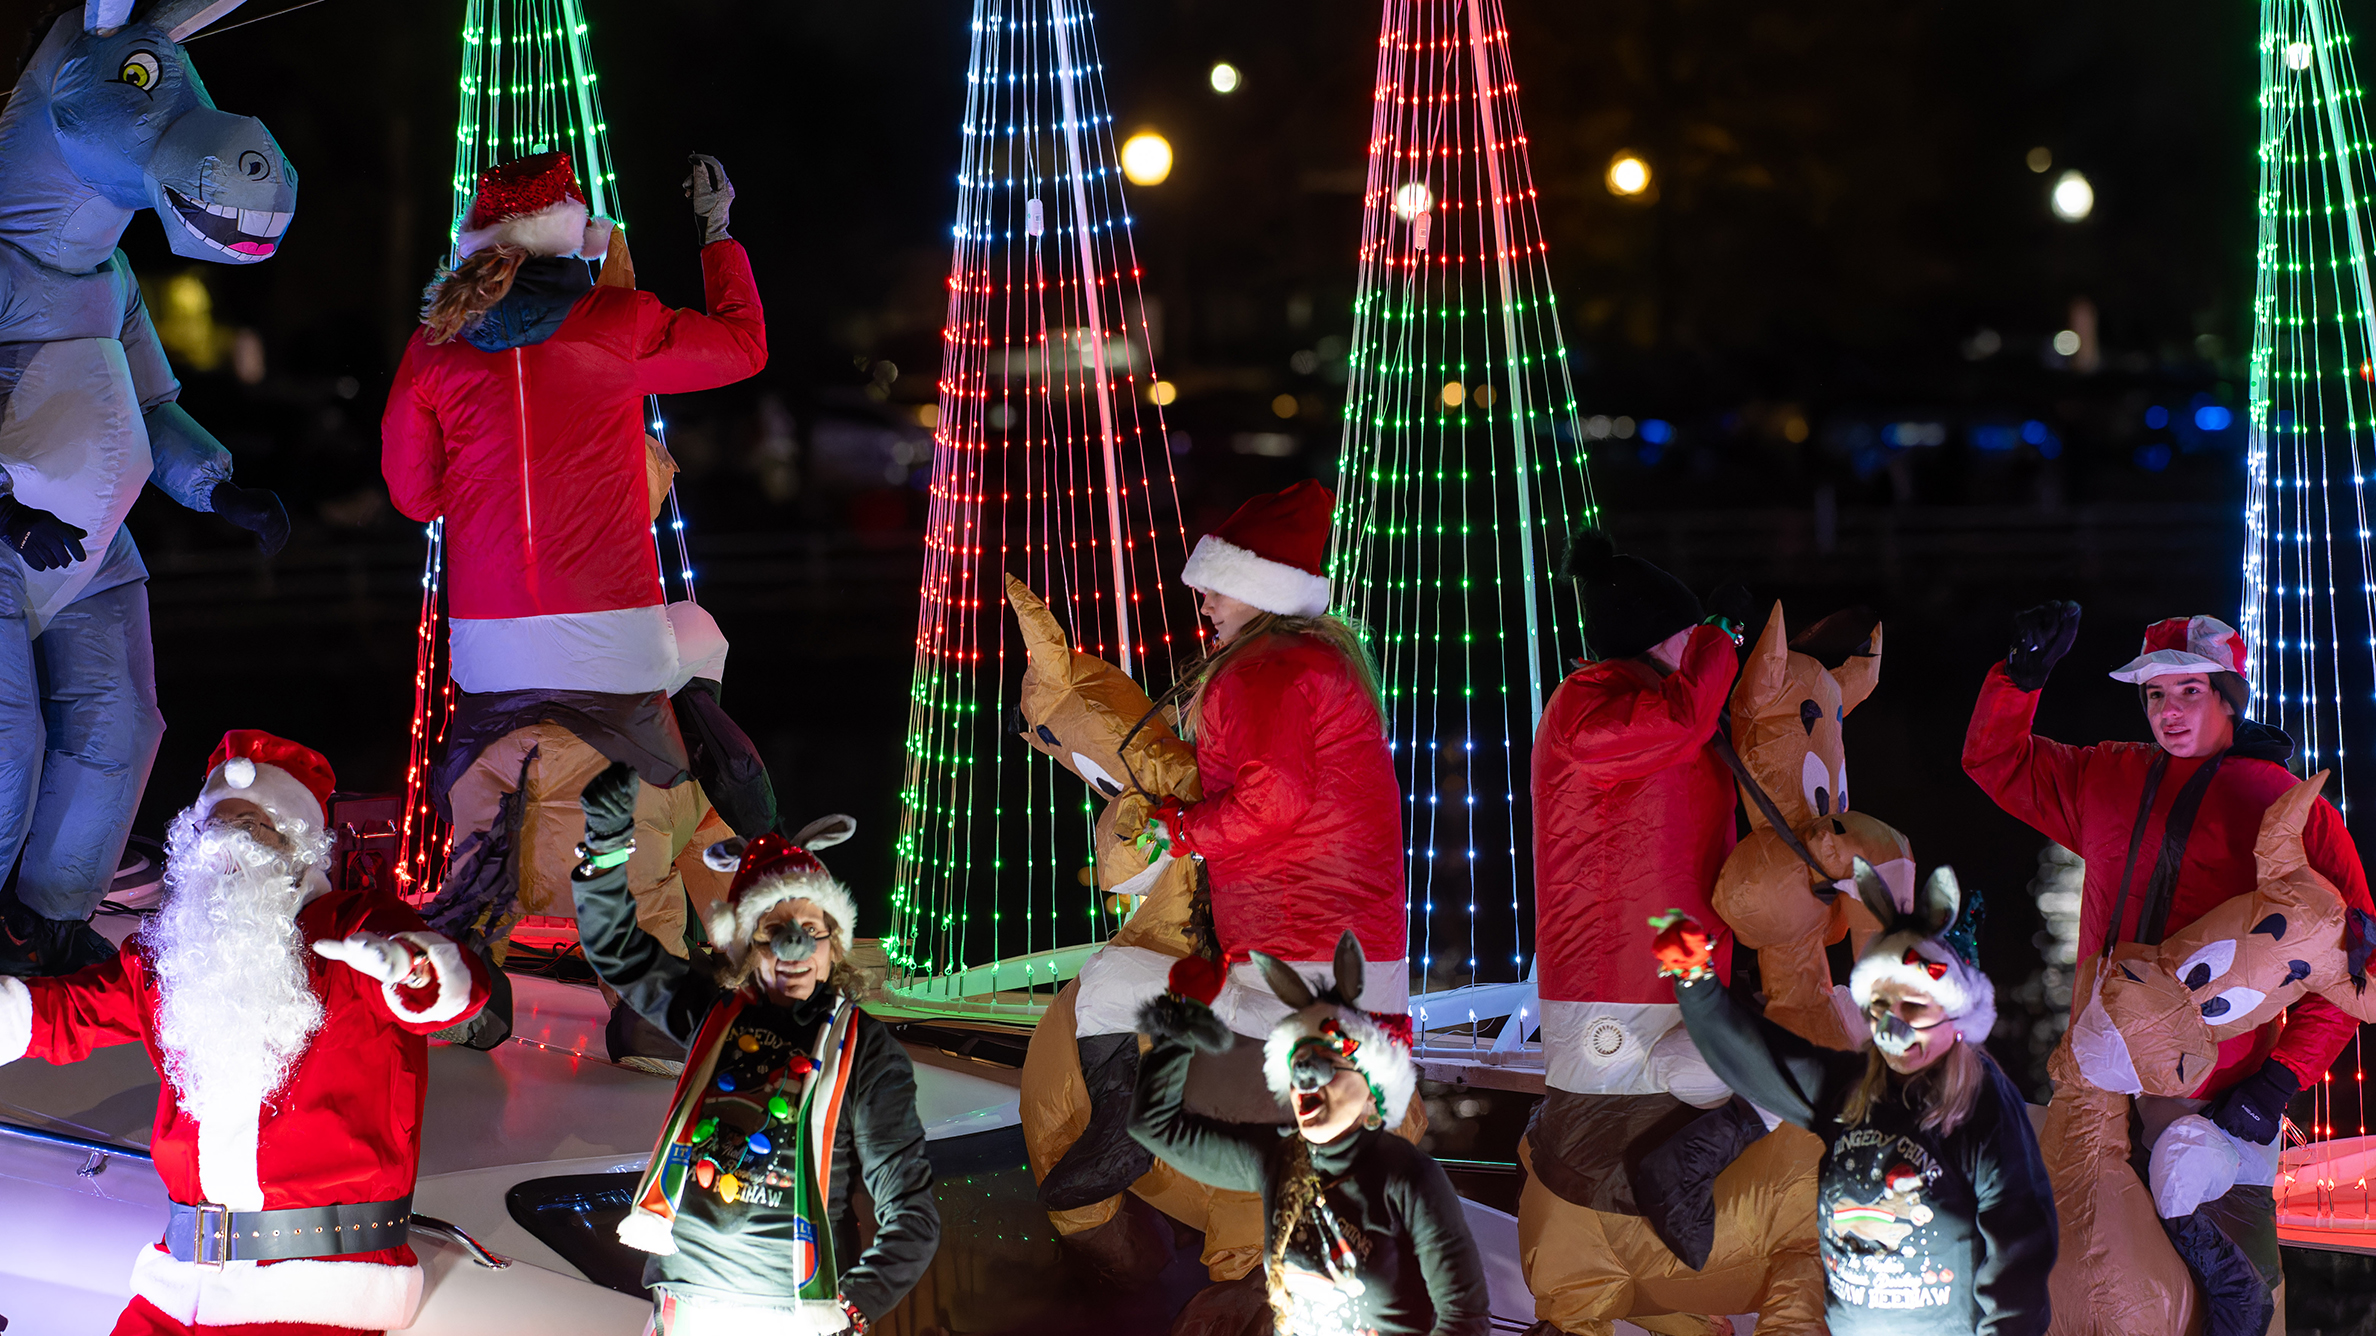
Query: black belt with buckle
{"x": 213, "y": 1235}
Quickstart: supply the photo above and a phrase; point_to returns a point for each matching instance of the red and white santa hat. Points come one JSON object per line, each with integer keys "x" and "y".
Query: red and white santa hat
{"x": 773, "y": 870}
{"x": 291, "y": 783}
{"x": 533, "y": 203}
{"x": 1271, "y": 554}
{"x": 2180, "y": 645}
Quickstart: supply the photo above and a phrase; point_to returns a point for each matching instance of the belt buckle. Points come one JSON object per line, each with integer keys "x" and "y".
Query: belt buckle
{"x": 213, "y": 1224}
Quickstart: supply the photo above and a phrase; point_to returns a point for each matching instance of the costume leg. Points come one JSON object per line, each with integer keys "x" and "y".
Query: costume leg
{"x": 1105, "y": 1159}
{"x": 23, "y": 736}
{"x": 1579, "y": 1283}
{"x": 99, "y": 691}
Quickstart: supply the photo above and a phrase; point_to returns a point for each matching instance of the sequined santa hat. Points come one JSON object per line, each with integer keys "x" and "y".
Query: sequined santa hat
{"x": 291, "y": 783}
{"x": 1379, "y": 1047}
{"x": 771, "y": 870}
{"x": 1932, "y": 948}
{"x": 533, "y": 204}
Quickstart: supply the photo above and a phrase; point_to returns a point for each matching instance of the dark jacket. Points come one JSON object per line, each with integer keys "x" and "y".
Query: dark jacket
{"x": 743, "y": 1254}
{"x": 1417, "y": 1264}
{"x": 1921, "y": 1233}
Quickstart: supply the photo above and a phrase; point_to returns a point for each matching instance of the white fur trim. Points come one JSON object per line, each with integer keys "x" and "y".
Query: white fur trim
{"x": 1273, "y": 586}
{"x": 597, "y": 237}
{"x": 371, "y": 1296}
{"x": 2193, "y": 1161}
{"x": 227, "y": 1171}
{"x": 16, "y": 1019}
{"x": 267, "y": 786}
{"x": 1385, "y": 1062}
{"x": 646, "y": 1232}
{"x": 1966, "y": 994}
{"x": 733, "y": 921}
{"x": 623, "y": 651}
{"x": 556, "y": 229}
{"x": 447, "y": 970}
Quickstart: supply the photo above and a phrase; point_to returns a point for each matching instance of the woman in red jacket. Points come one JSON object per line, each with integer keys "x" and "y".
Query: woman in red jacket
{"x": 1299, "y": 829}
{"x": 2167, "y": 830}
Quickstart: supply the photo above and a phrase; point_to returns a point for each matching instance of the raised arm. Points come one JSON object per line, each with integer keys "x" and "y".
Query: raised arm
{"x": 890, "y": 1142}
{"x": 2034, "y": 779}
{"x": 65, "y": 1020}
{"x": 426, "y": 982}
{"x": 1617, "y": 736}
{"x": 1218, "y": 1154}
{"x": 663, "y": 989}
{"x": 1763, "y": 1063}
{"x": 2016, "y": 1214}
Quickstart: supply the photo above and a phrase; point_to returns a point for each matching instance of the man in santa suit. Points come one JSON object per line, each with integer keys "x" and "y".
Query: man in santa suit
{"x": 289, "y": 1022}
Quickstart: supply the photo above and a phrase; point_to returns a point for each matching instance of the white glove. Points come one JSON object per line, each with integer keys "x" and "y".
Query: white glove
{"x": 381, "y": 958}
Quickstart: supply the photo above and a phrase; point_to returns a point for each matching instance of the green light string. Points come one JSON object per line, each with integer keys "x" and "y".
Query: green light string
{"x": 1461, "y": 471}
{"x": 2309, "y": 586}
{"x": 994, "y": 839}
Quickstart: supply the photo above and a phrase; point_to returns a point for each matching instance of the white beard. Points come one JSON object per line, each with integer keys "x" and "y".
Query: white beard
{"x": 234, "y": 1009}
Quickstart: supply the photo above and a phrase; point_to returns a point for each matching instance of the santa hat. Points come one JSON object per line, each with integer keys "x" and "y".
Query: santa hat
{"x": 1629, "y": 604}
{"x": 772, "y": 870}
{"x": 1271, "y": 554}
{"x": 1379, "y": 1047}
{"x": 2177, "y": 646}
{"x": 533, "y": 203}
{"x": 291, "y": 783}
{"x": 1932, "y": 949}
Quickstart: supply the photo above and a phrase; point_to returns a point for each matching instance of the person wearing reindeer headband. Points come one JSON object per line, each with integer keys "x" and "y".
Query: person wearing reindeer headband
{"x": 2167, "y": 829}
{"x": 790, "y": 1095}
{"x": 1364, "y": 1233}
{"x": 1933, "y": 1206}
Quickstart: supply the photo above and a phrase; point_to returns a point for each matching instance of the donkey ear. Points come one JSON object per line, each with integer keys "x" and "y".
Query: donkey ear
{"x": 1860, "y": 674}
{"x": 1875, "y": 894}
{"x": 101, "y": 17}
{"x": 1940, "y": 901}
{"x": 826, "y": 832}
{"x": 1350, "y": 968}
{"x": 1284, "y": 981}
{"x": 182, "y": 19}
{"x": 1767, "y": 672}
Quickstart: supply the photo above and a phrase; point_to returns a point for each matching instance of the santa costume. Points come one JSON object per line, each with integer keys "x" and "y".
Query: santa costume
{"x": 2167, "y": 838}
{"x": 525, "y": 431}
{"x": 783, "y": 1111}
{"x": 1299, "y": 831}
{"x": 289, "y": 1022}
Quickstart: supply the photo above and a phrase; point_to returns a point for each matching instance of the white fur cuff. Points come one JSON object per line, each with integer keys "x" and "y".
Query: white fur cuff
{"x": 556, "y": 229}
{"x": 1273, "y": 586}
{"x": 447, "y": 971}
{"x": 372, "y": 1296}
{"x": 16, "y": 1019}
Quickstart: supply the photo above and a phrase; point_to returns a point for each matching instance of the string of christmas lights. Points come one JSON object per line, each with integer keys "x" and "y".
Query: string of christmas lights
{"x": 528, "y": 85}
{"x": 2309, "y": 586}
{"x": 1462, "y": 468}
{"x": 1049, "y": 462}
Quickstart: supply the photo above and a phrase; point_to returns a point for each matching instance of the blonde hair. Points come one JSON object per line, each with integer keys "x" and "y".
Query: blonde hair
{"x": 459, "y": 296}
{"x": 1945, "y": 1091}
{"x": 1347, "y": 638}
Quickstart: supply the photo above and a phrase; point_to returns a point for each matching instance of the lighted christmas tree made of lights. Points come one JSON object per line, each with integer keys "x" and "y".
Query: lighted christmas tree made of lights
{"x": 527, "y": 86}
{"x": 1461, "y": 473}
{"x": 1050, "y": 464}
{"x": 2309, "y": 588}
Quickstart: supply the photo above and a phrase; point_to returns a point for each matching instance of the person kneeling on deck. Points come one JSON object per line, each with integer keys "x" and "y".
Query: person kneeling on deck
{"x": 790, "y": 1094}
{"x": 1363, "y": 1232}
{"x": 290, "y": 1022}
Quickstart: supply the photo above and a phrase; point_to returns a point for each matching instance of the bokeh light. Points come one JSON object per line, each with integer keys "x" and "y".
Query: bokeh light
{"x": 1628, "y": 174}
{"x": 1146, "y": 158}
{"x": 2073, "y": 197}
{"x": 1225, "y": 77}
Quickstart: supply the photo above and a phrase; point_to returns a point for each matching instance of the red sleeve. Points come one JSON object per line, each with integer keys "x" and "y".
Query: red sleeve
{"x": 681, "y": 351}
{"x": 458, "y": 985}
{"x": 96, "y": 1008}
{"x": 2316, "y": 1030}
{"x": 1625, "y": 735}
{"x": 2036, "y": 779}
{"x": 412, "y": 444}
{"x": 1267, "y": 702}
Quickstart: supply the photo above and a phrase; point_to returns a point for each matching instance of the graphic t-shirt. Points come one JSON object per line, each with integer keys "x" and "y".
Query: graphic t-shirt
{"x": 1895, "y": 1223}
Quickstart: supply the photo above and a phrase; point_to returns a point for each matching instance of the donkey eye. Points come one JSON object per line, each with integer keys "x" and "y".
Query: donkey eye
{"x": 2207, "y": 963}
{"x": 140, "y": 70}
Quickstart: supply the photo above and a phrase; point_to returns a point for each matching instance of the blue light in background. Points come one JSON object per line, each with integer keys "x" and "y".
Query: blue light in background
{"x": 2211, "y": 417}
{"x": 2153, "y": 458}
{"x": 2034, "y": 432}
{"x": 1994, "y": 437}
{"x": 1657, "y": 431}
{"x": 2157, "y": 417}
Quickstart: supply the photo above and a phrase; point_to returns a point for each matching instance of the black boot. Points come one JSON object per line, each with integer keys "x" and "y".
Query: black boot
{"x": 637, "y": 1043}
{"x": 35, "y": 947}
{"x": 1105, "y": 1160}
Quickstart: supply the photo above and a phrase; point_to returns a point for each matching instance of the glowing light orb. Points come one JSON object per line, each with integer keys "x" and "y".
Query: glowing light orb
{"x": 2297, "y": 56}
{"x": 1225, "y": 77}
{"x": 2066, "y": 342}
{"x": 1162, "y": 392}
{"x": 1628, "y": 175}
{"x": 1413, "y": 200}
{"x": 2073, "y": 197}
{"x": 1146, "y": 158}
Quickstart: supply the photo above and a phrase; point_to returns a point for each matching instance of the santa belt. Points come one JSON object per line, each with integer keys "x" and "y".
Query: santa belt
{"x": 213, "y": 1235}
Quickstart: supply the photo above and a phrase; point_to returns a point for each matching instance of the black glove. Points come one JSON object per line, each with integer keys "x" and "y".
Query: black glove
{"x": 42, "y": 539}
{"x": 255, "y": 510}
{"x": 1184, "y": 1020}
{"x": 2041, "y": 637}
{"x": 712, "y": 195}
{"x": 1729, "y": 606}
{"x": 609, "y": 803}
{"x": 2254, "y": 1108}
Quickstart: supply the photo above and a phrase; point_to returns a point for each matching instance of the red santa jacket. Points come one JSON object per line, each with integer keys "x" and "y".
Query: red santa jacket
{"x": 1301, "y": 823}
{"x": 345, "y": 1128}
{"x": 535, "y": 454}
{"x": 2085, "y": 799}
{"x": 1633, "y": 816}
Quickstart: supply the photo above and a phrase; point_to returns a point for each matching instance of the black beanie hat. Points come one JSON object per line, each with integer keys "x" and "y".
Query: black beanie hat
{"x": 1629, "y": 604}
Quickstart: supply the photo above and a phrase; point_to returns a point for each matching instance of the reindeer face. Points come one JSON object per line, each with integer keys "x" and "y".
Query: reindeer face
{"x": 1787, "y": 716}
